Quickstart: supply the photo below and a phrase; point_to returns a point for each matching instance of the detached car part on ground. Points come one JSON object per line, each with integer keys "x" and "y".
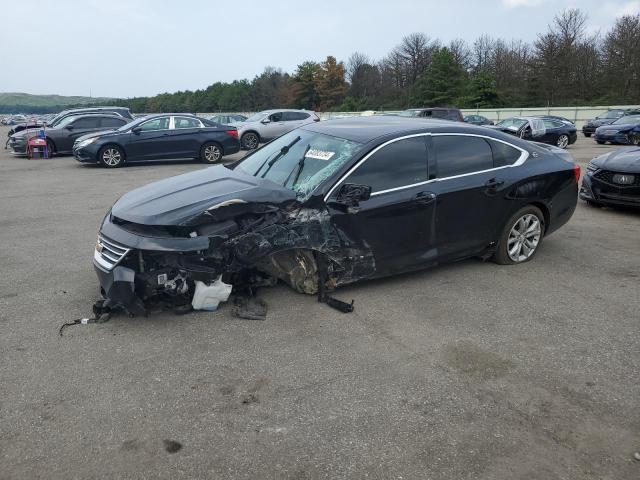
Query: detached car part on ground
{"x": 333, "y": 203}
{"x": 159, "y": 137}
{"x": 613, "y": 179}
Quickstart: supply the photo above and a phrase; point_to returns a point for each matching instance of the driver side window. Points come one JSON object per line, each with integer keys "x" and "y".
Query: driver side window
{"x": 155, "y": 124}
{"x": 276, "y": 117}
{"x": 399, "y": 164}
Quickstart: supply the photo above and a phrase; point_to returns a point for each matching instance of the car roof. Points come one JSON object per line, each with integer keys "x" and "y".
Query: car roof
{"x": 366, "y": 129}
{"x": 286, "y": 110}
{"x": 424, "y": 109}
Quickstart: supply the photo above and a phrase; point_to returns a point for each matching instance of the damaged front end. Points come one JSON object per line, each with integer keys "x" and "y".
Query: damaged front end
{"x": 184, "y": 247}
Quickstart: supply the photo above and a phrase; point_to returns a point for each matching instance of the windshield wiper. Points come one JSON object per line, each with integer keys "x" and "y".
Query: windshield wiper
{"x": 283, "y": 151}
{"x": 300, "y": 167}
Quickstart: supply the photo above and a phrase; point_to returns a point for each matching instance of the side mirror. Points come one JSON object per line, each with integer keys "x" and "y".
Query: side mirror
{"x": 136, "y": 130}
{"x": 350, "y": 195}
{"x": 265, "y": 121}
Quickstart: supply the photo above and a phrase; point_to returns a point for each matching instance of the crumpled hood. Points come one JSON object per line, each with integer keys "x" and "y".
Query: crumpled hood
{"x": 173, "y": 201}
{"x": 626, "y": 160}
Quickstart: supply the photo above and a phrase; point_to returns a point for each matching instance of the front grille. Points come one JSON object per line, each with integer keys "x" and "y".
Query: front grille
{"x": 109, "y": 253}
{"x": 607, "y": 176}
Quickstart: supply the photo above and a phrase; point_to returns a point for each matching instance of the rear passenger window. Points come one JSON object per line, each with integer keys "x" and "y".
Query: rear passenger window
{"x": 184, "y": 122}
{"x": 458, "y": 154}
{"x": 399, "y": 164}
{"x": 111, "y": 122}
{"x": 503, "y": 154}
{"x": 295, "y": 116}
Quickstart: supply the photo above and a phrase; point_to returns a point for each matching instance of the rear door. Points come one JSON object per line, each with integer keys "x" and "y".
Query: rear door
{"x": 111, "y": 123}
{"x": 396, "y": 223}
{"x": 296, "y": 119}
{"x": 152, "y": 141}
{"x": 187, "y": 136}
{"x": 472, "y": 176}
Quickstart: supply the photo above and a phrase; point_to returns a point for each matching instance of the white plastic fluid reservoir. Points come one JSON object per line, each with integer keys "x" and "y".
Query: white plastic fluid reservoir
{"x": 207, "y": 297}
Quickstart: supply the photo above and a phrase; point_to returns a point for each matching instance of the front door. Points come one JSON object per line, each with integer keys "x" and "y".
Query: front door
{"x": 275, "y": 126}
{"x": 396, "y": 223}
{"x": 152, "y": 140}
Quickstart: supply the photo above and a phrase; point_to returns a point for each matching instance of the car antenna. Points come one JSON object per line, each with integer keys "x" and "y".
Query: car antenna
{"x": 283, "y": 151}
{"x": 300, "y": 167}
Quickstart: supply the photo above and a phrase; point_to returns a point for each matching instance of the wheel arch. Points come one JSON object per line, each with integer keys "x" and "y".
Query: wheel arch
{"x": 545, "y": 213}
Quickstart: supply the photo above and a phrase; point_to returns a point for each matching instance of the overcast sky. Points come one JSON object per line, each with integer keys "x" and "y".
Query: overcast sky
{"x": 125, "y": 48}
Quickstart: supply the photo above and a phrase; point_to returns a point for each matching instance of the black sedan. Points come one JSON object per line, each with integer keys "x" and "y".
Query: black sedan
{"x": 61, "y": 136}
{"x": 544, "y": 130}
{"x": 623, "y": 131}
{"x": 159, "y": 137}
{"x": 610, "y": 116}
{"x": 333, "y": 203}
{"x": 477, "y": 120}
{"x": 613, "y": 179}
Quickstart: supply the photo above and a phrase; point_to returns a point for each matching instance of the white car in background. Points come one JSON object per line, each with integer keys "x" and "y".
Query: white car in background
{"x": 269, "y": 124}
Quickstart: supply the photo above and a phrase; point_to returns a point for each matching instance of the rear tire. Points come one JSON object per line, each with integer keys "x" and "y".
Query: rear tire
{"x": 593, "y": 204}
{"x": 111, "y": 156}
{"x": 521, "y": 237}
{"x": 562, "y": 141}
{"x": 587, "y": 135}
{"x": 250, "y": 141}
{"x": 600, "y": 142}
{"x": 210, "y": 152}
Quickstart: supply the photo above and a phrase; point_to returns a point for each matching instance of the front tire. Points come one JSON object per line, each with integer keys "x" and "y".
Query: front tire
{"x": 521, "y": 237}
{"x": 210, "y": 152}
{"x": 600, "y": 142}
{"x": 111, "y": 156}
{"x": 562, "y": 141}
{"x": 250, "y": 141}
{"x": 634, "y": 139}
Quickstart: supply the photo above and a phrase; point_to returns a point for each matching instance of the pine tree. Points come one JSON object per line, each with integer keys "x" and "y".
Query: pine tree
{"x": 441, "y": 83}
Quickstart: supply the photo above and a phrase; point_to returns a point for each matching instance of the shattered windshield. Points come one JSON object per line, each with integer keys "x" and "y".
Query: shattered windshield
{"x": 300, "y": 160}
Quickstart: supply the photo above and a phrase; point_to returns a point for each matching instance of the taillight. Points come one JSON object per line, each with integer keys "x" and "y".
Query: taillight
{"x": 232, "y": 133}
{"x": 576, "y": 171}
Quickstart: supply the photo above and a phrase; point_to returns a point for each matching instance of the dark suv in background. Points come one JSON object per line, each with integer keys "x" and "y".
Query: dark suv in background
{"x": 64, "y": 132}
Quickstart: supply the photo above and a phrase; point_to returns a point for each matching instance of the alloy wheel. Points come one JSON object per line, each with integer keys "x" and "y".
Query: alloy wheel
{"x": 111, "y": 157}
{"x": 251, "y": 141}
{"x": 524, "y": 237}
{"x": 212, "y": 153}
{"x": 563, "y": 141}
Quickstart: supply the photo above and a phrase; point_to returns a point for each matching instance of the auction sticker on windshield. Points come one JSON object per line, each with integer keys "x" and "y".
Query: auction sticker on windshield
{"x": 320, "y": 154}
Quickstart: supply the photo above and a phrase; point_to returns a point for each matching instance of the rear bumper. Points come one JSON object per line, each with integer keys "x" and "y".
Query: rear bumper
{"x": 597, "y": 191}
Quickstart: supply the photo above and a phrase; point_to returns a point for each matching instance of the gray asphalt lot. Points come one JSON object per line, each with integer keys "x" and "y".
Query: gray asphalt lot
{"x": 466, "y": 371}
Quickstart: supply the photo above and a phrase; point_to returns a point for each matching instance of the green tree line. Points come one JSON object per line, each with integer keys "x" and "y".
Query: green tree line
{"x": 566, "y": 65}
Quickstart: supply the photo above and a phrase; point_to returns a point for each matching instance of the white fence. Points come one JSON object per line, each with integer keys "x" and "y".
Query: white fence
{"x": 579, "y": 115}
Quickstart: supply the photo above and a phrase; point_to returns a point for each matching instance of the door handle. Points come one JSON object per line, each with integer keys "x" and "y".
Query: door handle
{"x": 424, "y": 198}
{"x": 494, "y": 183}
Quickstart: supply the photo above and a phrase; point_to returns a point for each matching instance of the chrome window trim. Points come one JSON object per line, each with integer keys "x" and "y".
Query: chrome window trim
{"x": 524, "y": 155}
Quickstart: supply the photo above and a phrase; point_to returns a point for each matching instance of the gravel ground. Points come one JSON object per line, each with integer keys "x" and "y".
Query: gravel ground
{"x": 467, "y": 371}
